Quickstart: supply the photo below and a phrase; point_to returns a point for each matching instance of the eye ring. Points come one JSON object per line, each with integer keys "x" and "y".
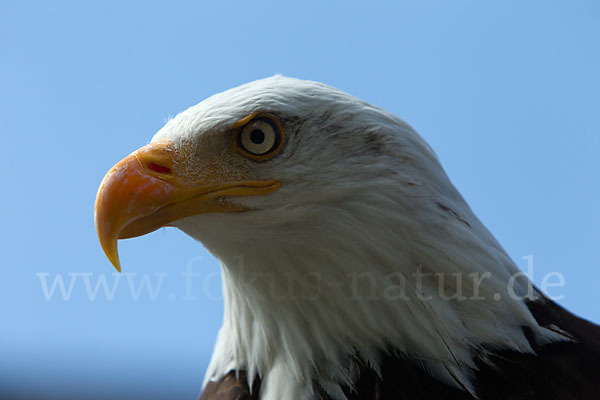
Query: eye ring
{"x": 259, "y": 139}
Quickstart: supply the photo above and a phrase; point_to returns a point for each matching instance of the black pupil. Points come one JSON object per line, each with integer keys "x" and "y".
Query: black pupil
{"x": 257, "y": 136}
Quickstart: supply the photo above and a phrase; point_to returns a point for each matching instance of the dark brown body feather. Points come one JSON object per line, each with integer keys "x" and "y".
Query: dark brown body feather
{"x": 563, "y": 370}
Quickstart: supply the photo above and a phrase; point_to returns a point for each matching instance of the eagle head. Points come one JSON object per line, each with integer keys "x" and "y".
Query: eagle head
{"x": 340, "y": 236}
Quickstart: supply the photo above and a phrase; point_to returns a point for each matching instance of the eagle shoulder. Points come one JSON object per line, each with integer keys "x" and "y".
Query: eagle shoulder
{"x": 563, "y": 370}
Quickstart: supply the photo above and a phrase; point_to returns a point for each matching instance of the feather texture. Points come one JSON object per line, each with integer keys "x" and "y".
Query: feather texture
{"x": 562, "y": 371}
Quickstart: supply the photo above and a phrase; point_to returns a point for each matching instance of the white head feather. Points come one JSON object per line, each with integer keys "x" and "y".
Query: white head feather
{"x": 320, "y": 270}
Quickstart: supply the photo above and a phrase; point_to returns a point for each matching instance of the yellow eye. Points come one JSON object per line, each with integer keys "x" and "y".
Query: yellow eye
{"x": 259, "y": 138}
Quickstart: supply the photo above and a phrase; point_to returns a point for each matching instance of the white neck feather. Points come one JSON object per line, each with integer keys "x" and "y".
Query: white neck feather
{"x": 297, "y": 310}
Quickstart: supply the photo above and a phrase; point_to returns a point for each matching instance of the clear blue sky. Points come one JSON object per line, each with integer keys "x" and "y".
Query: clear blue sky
{"x": 506, "y": 92}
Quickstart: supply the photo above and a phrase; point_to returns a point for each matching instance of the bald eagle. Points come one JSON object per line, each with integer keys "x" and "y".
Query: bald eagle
{"x": 352, "y": 267}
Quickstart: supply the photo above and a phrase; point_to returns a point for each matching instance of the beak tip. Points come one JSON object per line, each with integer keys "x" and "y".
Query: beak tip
{"x": 113, "y": 257}
{"x": 111, "y": 251}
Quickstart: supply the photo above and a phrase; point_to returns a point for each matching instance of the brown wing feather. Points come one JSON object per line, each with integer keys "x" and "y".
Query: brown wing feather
{"x": 230, "y": 387}
{"x": 564, "y": 370}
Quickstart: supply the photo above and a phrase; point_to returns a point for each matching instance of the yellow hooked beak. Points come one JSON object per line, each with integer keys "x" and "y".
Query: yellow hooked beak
{"x": 144, "y": 192}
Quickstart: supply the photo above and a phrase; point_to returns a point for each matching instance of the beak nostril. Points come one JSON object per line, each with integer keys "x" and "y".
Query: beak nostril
{"x": 161, "y": 169}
